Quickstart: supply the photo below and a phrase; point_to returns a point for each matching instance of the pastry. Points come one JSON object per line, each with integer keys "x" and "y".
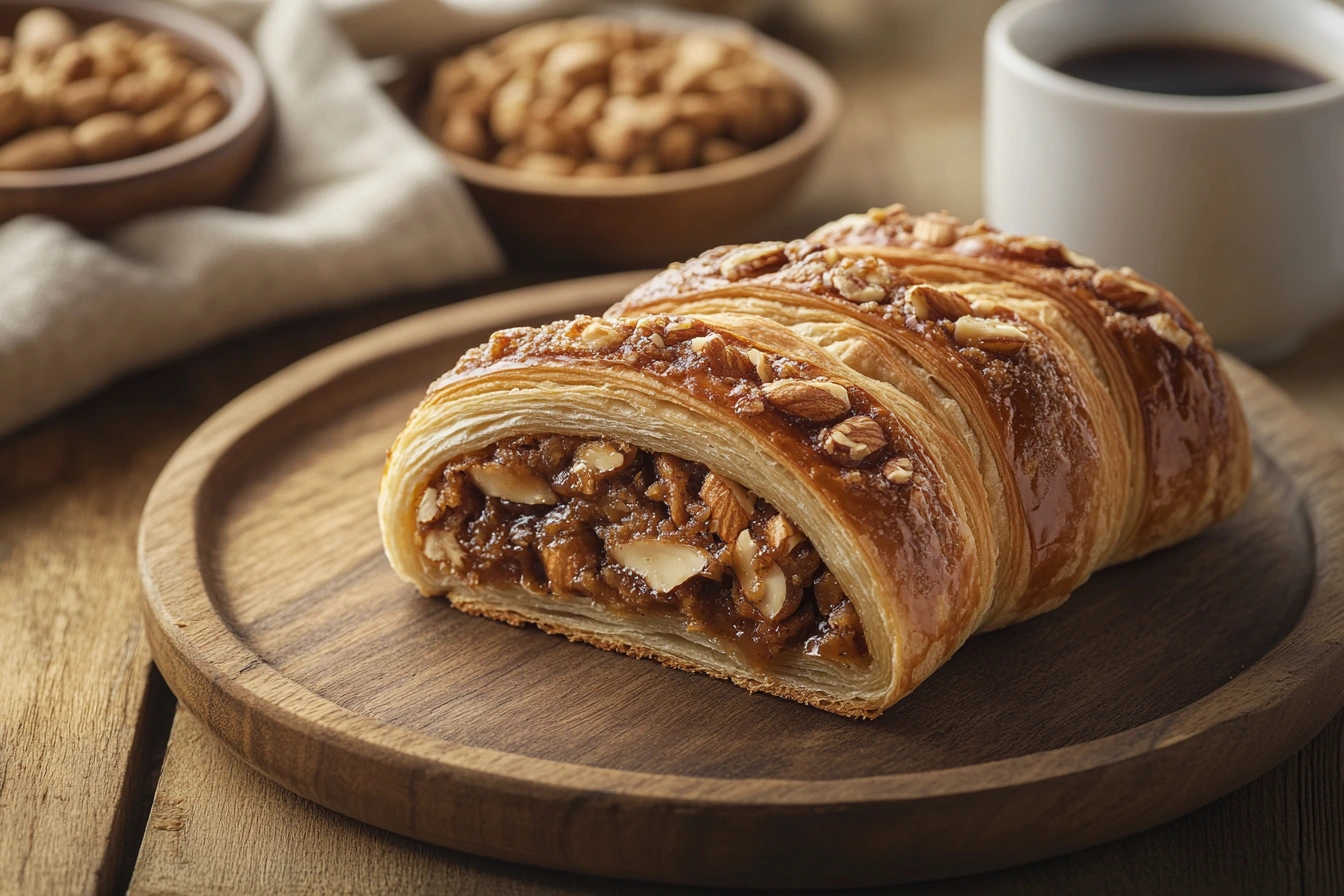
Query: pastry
{"x": 816, "y": 468}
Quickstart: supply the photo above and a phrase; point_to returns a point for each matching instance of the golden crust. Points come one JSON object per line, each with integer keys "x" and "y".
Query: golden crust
{"x": 467, "y": 603}
{"x": 1048, "y": 416}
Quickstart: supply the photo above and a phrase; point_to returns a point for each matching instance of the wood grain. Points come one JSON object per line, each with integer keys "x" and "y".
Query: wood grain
{"x": 81, "y": 715}
{"x": 75, "y": 693}
{"x": 219, "y": 827}
{"x": 73, "y": 487}
{"x": 1163, "y": 684}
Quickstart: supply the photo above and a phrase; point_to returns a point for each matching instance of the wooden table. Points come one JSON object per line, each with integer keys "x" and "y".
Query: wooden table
{"x": 104, "y": 786}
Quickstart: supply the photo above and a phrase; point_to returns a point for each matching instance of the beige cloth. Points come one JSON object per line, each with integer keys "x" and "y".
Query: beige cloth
{"x": 350, "y": 203}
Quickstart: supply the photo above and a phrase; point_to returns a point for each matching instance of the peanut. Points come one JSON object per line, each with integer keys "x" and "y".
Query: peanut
{"x": 167, "y": 73}
{"x": 106, "y": 137}
{"x": 599, "y": 169}
{"x": 703, "y": 113}
{"x": 585, "y": 107}
{"x": 719, "y": 149}
{"x": 112, "y": 34}
{"x": 541, "y": 137}
{"x": 595, "y": 98}
{"x": 157, "y": 44}
{"x": 464, "y": 133}
{"x": 451, "y": 77}
{"x": 38, "y": 150}
{"x": 475, "y": 101}
{"x": 580, "y": 62}
{"x": 678, "y": 147}
{"x": 70, "y": 62}
{"x": 42, "y": 30}
{"x": 109, "y": 60}
{"x": 644, "y": 163}
{"x": 198, "y": 84}
{"x": 748, "y": 121}
{"x": 81, "y": 100}
{"x": 159, "y": 127}
{"x": 39, "y": 96}
{"x": 547, "y": 163}
{"x": 135, "y": 92}
{"x": 119, "y": 90}
{"x": 613, "y": 141}
{"x": 633, "y": 73}
{"x": 508, "y": 112}
{"x": 25, "y": 63}
{"x": 13, "y": 106}
{"x": 201, "y": 115}
{"x": 509, "y": 156}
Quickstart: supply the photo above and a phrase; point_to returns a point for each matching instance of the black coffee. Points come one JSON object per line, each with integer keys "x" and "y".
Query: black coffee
{"x": 1188, "y": 70}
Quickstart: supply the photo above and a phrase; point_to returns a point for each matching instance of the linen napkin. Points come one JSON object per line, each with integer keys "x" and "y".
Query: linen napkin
{"x": 350, "y": 203}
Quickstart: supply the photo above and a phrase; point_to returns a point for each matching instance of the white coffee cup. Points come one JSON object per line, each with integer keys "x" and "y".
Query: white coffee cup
{"x": 1235, "y": 204}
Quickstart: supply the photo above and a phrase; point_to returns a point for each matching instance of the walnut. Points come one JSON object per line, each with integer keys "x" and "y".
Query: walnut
{"x": 816, "y": 400}
{"x": 671, "y": 487}
{"x": 781, "y": 536}
{"x": 827, "y": 592}
{"x": 861, "y": 279}
{"x": 570, "y": 559}
{"x": 442, "y": 546}
{"x": 854, "y": 439}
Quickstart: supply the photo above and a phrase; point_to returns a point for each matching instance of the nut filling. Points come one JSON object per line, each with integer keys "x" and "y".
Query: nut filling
{"x": 640, "y": 532}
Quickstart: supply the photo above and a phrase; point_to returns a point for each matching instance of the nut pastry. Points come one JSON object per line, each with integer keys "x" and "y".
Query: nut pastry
{"x": 815, "y": 468}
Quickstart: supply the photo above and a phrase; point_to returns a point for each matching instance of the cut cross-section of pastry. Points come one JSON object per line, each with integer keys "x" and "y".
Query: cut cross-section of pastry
{"x": 1049, "y": 450}
{"x": 725, "y": 499}
{"x": 817, "y": 467}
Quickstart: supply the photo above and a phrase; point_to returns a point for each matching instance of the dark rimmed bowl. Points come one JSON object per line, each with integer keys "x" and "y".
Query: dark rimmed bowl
{"x": 652, "y": 219}
{"x": 203, "y": 170}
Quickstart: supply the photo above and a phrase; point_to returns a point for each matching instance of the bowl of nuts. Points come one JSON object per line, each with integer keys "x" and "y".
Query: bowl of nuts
{"x": 631, "y": 138}
{"x": 113, "y": 108}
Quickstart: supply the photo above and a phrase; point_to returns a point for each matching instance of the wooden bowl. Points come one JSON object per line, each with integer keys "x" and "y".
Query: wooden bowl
{"x": 203, "y": 170}
{"x": 651, "y": 219}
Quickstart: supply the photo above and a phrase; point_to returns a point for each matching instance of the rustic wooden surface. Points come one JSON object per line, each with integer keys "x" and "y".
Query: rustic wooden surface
{"x": 276, "y": 620}
{"x": 78, "y": 699}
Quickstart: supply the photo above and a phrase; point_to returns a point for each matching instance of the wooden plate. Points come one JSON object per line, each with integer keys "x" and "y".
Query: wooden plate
{"x": 274, "y": 616}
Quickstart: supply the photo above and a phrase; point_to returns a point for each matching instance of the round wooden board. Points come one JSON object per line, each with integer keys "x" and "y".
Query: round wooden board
{"x": 275, "y": 618}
